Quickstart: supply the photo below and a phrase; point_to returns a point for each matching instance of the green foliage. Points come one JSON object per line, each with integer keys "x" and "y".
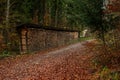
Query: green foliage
{"x": 106, "y": 74}
{"x": 87, "y": 12}
{"x": 75, "y": 14}
{"x": 5, "y": 53}
{"x": 91, "y": 14}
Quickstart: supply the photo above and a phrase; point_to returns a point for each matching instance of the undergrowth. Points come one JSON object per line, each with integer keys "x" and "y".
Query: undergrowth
{"x": 107, "y": 59}
{"x": 107, "y": 74}
{"x": 4, "y": 54}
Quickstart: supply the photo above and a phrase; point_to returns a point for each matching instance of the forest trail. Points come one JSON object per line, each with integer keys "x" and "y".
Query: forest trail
{"x": 68, "y": 63}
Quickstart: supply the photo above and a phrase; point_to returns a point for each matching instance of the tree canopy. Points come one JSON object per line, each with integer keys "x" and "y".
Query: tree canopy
{"x": 74, "y": 14}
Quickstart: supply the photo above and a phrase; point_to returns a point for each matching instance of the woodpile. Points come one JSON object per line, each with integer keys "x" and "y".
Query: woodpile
{"x": 35, "y": 38}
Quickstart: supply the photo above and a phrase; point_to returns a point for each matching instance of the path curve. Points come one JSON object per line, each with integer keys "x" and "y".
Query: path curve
{"x": 67, "y": 63}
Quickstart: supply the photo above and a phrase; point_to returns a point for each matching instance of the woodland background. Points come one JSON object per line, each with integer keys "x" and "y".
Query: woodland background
{"x": 102, "y": 17}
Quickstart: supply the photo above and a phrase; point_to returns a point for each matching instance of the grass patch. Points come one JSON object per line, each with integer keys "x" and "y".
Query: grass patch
{"x": 85, "y": 38}
{"x": 106, "y": 61}
{"x": 107, "y": 74}
{"x": 5, "y": 54}
{"x": 80, "y": 40}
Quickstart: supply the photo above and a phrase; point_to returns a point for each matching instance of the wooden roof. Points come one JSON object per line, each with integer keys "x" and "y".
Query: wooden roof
{"x": 29, "y": 25}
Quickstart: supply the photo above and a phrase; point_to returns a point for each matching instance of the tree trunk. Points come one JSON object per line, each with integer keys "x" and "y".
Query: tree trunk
{"x": 56, "y": 13}
{"x": 35, "y": 17}
{"x": 6, "y": 31}
{"x": 7, "y": 13}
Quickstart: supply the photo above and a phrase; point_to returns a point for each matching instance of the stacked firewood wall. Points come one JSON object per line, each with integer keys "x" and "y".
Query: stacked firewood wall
{"x": 40, "y": 39}
{"x": 51, "y": 39}
{"x": 36, "y": 39}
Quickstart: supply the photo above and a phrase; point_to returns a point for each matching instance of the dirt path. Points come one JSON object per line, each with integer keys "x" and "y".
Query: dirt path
{"x": 68, "y": 63}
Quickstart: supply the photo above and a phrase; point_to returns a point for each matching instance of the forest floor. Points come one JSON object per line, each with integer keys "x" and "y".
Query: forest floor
{"x": 73, "y": 62}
